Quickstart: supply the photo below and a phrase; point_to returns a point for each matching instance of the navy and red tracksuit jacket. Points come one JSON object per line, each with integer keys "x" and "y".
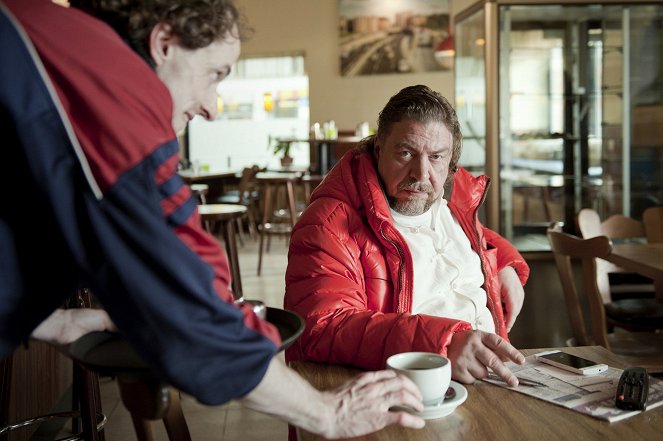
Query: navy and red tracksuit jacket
{"x": 89, "y": 196}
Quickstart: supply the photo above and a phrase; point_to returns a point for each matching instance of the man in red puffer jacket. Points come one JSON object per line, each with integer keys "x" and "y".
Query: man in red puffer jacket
{"x": 381, "y": 263}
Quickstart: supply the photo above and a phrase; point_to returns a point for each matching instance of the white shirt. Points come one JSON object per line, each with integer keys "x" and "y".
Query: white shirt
{"x": 447, "y": 272}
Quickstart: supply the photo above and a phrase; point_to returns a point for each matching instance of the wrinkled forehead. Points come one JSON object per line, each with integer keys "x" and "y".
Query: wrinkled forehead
{"x": 429, "y": 121}
{"x": 432, "y": 134}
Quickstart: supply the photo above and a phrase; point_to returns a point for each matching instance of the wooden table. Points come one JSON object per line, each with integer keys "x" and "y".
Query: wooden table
{"x": 202, "y": 176}
{"x": 641, "y": 258}
{"x": 495, "y": 413}
{"x": 216, "y": 180}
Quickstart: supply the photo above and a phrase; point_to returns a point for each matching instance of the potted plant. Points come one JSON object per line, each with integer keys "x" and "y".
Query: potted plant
{"x": 282, "y": 148}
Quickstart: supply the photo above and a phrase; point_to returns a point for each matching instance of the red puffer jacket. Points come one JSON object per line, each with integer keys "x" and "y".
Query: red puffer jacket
{"x": 350, "y": 271}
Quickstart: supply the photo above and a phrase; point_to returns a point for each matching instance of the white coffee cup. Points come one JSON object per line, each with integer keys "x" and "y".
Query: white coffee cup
{"x": 431, "y": 373}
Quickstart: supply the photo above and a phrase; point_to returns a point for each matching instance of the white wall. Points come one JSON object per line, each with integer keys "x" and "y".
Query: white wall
{"x": 309, "y": 27}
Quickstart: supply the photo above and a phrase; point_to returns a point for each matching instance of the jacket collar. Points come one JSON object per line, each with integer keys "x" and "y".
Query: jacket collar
{"x": 355, "y": 180}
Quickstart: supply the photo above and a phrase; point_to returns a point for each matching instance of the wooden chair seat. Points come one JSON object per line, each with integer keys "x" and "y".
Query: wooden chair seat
{"x": 636, "y": 308}
{"x": 635, "y": 313}
{"x": 643, "y": 349}
{"x": 636, "y": 348}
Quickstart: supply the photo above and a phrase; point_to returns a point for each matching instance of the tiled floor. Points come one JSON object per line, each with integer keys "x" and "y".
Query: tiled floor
{"x": 229, "y": 422}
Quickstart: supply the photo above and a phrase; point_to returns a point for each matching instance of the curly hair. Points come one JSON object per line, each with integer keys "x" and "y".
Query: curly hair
{"x": 422, "y": 104}
{"x": 196, "y": 23}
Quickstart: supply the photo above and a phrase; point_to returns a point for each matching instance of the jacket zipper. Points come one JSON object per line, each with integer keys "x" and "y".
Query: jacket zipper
{"x": 475, "y": 217}
{"x": 400, "y": 267}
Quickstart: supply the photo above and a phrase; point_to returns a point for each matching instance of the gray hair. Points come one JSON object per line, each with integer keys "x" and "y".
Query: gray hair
{"x": 422, "y": 104}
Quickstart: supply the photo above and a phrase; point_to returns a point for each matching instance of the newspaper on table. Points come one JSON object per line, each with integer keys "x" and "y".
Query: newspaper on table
{"x": 592, "y": 395}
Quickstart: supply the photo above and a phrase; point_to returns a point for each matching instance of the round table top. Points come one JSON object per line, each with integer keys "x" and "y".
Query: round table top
{"x": 275, "y": 177}
{"x": 221, "y": 211}
{"x": 199, "y": 188}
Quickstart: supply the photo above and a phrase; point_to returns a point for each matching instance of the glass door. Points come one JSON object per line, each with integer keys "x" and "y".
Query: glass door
{"x": 579, "y": 92}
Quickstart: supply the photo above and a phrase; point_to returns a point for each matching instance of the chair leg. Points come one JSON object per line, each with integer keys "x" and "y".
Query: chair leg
{"x": 240, "y": 230}
{"x": 174, "y": 421}
{"x": 88, "y": 404}
{"x": 143, "y": 428}
{"x": 252, "y": 223}
{"x": 148, "y": 399}
{"x": 5, "y": 382}
{"x": 266, "y": 217}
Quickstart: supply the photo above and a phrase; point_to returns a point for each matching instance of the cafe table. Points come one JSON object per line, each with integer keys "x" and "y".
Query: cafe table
{"x": 641, "y": 258}
{"x": 499, "y": 414}
{"x": 191, "y": 177}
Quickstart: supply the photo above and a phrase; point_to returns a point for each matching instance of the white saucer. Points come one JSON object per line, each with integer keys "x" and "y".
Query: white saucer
{"x": 446, "y": 407}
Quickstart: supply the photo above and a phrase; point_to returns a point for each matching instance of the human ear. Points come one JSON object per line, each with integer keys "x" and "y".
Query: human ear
{"x": 161, "y": 40}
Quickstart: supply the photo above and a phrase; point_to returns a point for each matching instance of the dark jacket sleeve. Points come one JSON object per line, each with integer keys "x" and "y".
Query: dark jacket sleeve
{"x": 166, "y": 297}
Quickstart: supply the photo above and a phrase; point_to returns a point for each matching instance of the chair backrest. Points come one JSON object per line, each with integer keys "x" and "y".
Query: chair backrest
{"x": 652, "y": 218}
{"x": 616, "y": 226}
{"x": 247, "y": 181}
{"x": 565, "y": 247}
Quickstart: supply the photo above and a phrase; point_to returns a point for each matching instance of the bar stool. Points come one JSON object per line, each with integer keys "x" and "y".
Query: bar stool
{"x": 310, "y": 182}
{"x": 143, "y": 393}
{"x": 200, "y": 192}
{"x": 271, "y": 182}
{"x": 215, "y": 217}
{"x": 86, "y": 415}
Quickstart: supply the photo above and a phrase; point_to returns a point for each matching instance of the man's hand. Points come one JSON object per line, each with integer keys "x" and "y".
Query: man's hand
{"x": 513, "y": 294}
{"x": 473, "y": 352}
{"x": 356, "y": 408}
{"x": 65, "y": 326}
{"x": 362, "y": 405}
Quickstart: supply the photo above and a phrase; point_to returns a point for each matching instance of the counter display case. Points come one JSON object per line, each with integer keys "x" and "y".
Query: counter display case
{"x": 562, "y": 105}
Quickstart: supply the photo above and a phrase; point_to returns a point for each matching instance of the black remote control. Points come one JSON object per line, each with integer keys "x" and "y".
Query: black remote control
{"x": 633, "y": 389}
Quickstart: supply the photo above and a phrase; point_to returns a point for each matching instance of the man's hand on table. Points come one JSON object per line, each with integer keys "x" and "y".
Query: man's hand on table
{"x": 473, "y": 352}
{"x": 362, "y": 404}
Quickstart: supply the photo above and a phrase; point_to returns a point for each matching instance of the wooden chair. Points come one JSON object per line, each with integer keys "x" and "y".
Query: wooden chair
{"x": 615, "y": 227}
{"x": 652, "y": 218}
{"x": 246, "y": 195}
{"x": 635, "y": 348}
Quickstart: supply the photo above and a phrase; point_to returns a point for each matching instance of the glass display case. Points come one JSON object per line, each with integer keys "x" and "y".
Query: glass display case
{"x": 562, "y": 105}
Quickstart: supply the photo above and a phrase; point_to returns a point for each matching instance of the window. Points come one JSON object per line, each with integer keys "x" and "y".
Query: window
{"x": 262, "y": 99}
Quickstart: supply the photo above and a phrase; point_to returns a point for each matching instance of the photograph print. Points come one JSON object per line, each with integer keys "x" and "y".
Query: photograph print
{"x": 394, "y": 36}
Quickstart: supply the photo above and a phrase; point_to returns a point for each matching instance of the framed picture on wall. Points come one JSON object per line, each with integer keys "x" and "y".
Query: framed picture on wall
{"x": 394, "y": 36}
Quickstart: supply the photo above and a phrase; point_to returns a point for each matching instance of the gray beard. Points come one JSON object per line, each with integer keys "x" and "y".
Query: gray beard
{"x": 411, "y": 208}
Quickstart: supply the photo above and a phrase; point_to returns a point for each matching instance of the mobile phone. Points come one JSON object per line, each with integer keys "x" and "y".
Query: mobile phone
{"x": 571, "y": 363}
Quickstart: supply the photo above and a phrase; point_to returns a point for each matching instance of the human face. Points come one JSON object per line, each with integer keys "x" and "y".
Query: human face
{"x": 413, "y": 162}
{"x": 193, "y": 75}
